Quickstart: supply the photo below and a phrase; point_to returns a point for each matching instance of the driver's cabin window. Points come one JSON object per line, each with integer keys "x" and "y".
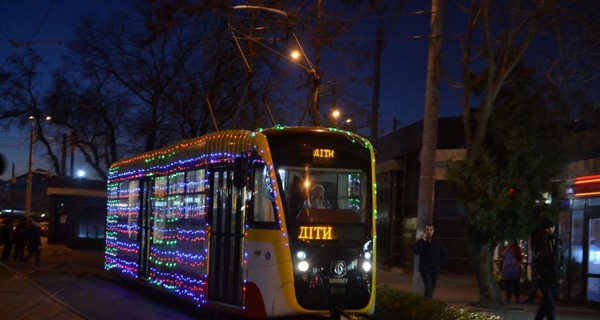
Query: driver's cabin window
{"x": 263, "y": 200}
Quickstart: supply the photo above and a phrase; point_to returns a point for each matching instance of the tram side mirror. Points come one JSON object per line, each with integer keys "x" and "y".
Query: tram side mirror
{"x": 240, "y": 175}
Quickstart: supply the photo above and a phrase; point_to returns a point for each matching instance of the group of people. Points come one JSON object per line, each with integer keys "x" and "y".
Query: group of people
{"x": 18, "y": 236}
{"x": 547, "y": 265}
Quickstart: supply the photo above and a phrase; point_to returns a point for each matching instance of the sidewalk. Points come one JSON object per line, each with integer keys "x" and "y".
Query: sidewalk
{"x": 72, "y": 285}
{"x": 57, "y": 289}
{"x": 462, "y": 291}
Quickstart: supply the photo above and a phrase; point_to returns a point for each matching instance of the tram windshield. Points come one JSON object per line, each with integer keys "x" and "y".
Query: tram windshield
{"x": 316, "y": 195}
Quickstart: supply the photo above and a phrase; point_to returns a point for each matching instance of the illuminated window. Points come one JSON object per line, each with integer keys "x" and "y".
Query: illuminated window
{"x": 263, "y": 199}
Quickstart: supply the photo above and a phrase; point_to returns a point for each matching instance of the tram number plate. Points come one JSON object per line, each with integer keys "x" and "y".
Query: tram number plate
{"x": 337, "y": 290}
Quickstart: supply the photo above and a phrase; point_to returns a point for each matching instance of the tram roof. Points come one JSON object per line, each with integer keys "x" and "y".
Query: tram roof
{"x": 212, "y": 145}
{"x": 219, "y": 144}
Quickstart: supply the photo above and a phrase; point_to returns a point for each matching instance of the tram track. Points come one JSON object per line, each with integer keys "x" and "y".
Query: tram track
{"x": 73, "y": 286}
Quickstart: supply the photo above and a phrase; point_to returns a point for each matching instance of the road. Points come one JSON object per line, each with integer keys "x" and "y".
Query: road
{"x": 70, "y": 284}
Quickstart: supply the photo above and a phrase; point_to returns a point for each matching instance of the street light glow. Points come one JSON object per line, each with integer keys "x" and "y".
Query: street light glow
{"x": 335, "y": 113}
{"x": 295, "y": 54}
{"x": 80, "y": 173}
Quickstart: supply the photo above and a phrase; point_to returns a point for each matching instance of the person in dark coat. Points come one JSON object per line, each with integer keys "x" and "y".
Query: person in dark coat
{"x": 6, "y": 235}
{"x": 547, "y": 250}
{"x": 34, "y": 243}
{"x": 432, "y": 254}
{"x": 533, "y": 285}
{"x": 20, "y": 239}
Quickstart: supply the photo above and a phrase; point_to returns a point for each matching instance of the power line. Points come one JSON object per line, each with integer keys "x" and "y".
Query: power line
{"x": 43, "y": 20}
{"x": 16, "y": 44}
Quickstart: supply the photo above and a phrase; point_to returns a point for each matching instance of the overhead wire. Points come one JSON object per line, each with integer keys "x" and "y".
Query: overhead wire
{"x": 37, "y": 30}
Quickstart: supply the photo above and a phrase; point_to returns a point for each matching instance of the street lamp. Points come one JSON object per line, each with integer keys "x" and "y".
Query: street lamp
{"x": 30, "y": 169}
{"x": 335, "y": 115}
{"x": 295, "y": 54}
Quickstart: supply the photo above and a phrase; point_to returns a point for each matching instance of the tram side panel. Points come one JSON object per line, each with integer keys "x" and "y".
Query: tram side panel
{"x": 173, "y": 252}
{"x": 122, "y": 248}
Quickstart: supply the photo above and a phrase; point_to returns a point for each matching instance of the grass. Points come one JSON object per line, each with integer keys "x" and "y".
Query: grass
{"x": 401, "y": 305}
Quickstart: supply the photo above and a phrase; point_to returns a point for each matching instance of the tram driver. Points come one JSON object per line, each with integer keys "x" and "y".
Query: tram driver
{"x": 317, "y": 200}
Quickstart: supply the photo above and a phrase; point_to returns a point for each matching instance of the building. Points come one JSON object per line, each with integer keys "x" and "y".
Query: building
{"x": 398, "y": 171}
{"x": 579, "y": 223}
{"x": 13, "y": 195}
{"x": 72, "y": 211}
{"x": 77, "y": 212}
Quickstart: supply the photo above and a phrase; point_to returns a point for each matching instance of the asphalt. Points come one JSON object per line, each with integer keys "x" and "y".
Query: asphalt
{"x": 71, "y": 284}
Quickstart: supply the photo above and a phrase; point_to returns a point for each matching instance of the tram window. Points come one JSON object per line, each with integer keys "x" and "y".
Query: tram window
{"x": 176, "y": 183}
{"x": 196, "y": 181}
{"x": 133, "y": 205}
{"x": 159, "y": 213}
{"x": 262, "y": 194}
{"x": 344, "y": 192}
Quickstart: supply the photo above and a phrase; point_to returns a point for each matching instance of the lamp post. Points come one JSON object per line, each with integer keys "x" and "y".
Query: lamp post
{"x": 30, "y": 165}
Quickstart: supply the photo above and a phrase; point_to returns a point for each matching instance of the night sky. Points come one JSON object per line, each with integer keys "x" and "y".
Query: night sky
{"x": 48, "y": 24}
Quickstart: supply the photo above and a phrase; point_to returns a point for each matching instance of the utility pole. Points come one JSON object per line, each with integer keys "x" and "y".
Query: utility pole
{"x": 63, "y": 160}
{"x": 29, "y": 171}
{"x": 430, "y": 131}
{"x": 316, "y": 85}
{"x": 376, "y": 84}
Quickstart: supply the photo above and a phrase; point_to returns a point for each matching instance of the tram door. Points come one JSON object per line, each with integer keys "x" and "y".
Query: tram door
{"x": 226, "y": 238}
{"x": 145, "y": 226}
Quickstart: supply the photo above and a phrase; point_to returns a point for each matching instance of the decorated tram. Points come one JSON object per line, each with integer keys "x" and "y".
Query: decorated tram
{"x": 268, "y": 223}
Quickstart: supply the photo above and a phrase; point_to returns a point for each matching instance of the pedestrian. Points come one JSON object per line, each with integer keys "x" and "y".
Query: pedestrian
{"x": 547, "y": 250}
{"x": 20, "y": 239}
{"x": 34, "y": 243}
{"x": 6, "y": 234}
{"x": 432, "y": 254}
{"x": 511, "y": 270}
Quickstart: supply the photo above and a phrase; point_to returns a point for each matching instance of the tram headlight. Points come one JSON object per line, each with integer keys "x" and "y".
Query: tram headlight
{"x": 366, "y": 266}
{"x": 301, "y": 255}
{"x": 303, "y": 266}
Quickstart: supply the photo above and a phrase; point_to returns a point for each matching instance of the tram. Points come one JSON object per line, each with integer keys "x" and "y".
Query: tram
{"x": 227, "y": 221}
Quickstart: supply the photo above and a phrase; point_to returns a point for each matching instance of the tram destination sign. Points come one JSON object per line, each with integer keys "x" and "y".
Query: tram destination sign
{"x": 315, "y": 233}
{"x": 323, "y": 155}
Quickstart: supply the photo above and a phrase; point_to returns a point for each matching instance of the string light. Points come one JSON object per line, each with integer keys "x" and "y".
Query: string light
{"x": 178, "y": 246}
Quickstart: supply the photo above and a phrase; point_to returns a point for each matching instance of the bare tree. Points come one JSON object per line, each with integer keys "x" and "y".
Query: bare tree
{"x": 22, "y": 96}
{"x": 92, "y": 114}
{"x": 502, "y": 45}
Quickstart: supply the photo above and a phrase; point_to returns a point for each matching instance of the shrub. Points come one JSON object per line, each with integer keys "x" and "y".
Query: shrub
{"x": 401, "y": 305}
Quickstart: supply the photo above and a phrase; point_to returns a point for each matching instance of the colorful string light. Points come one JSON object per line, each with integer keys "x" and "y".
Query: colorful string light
{"x": 177, "y": 222}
